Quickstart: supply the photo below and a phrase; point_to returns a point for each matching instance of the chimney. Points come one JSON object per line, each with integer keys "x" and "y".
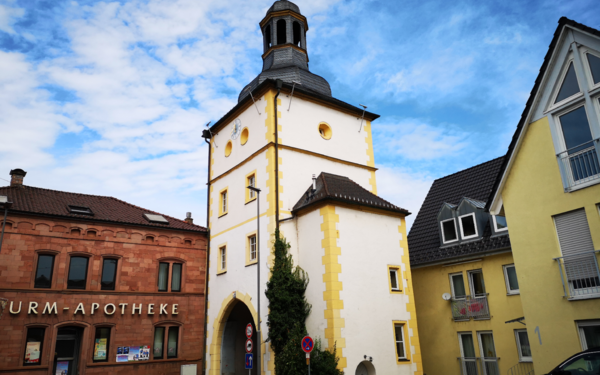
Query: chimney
{"x": 16, "y": 177}
{"x": 188, "y": 218}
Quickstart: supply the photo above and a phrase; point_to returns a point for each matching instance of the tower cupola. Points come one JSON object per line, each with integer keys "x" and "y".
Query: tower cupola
{"x": 285, "y": 53}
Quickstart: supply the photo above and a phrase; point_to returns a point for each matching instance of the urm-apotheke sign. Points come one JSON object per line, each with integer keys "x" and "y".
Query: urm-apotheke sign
{"x": 109, "y": 308}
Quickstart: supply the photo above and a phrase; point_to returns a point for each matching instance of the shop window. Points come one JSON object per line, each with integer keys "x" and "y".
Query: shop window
{"x": 33, "y": 346}
{"x": 78, "y": 269}
{"x": 171, "y": 334}
{"x": 109, "y": 274}
{"x": 101, "y": 344}
{"x": 170, "y": 270}
{"x": 510, "y": 276}
{"x": 43, "y": 274}
{"x": 448, "y": 231}
{"x": 523, "y": 345}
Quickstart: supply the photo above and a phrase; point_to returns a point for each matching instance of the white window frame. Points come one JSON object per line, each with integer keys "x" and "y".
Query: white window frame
{"x": 224, "y": 201}
{"x": 452, "y": 285}
{"x": 462, "y": 233}
{"x": 482, "y": 354}
{"x": 252, "y": 250}
{"x": 403, "y": 341}
{"x": 508, "y": 289}
{"x": 521, "y": 357}
{"x": 223, "y": 257}
{"x": 471, "y": 360}
{"x": 252, "y": 182}
{"x": 470, "y": 274}
{"x": 563, "y": 74}
{"x": 395, "y": 271}
{"x": 496, "y": 229}
{"x": 586, "y": 65}
{"x": 580, "y": 326}
{"x": 442, "y": 229}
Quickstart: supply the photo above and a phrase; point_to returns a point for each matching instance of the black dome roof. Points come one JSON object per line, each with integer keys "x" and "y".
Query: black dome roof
{"x": 283, "y": 5}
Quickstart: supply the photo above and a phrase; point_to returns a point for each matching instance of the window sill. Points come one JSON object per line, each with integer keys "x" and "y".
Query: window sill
{"x": 393, "y": 291}
{"x": 250, "y": 200}
{"x": 582, "y": 186}
{"x": 223, "y": 214}
{"x": 514, "y": 294}
{"x": 589, "y": 296}
{"x": 403, "y": 361}
{"x": 251, "y": 263}
{"x": 221, "y": 272}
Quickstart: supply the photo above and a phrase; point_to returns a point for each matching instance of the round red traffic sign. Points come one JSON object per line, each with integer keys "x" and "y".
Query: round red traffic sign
{"x": 249, "y": 346}
{"x": 249, "y": 330}
{"x": 307, "y": 344}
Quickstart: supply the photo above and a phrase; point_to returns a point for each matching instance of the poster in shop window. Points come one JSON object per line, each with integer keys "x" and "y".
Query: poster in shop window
{"x": 100, "y": 350}
{"x": 62, "y": 368}
{"x": 134, "y": 353}
{"x": 32, "y": 352}
{"x": 144, "y": 353}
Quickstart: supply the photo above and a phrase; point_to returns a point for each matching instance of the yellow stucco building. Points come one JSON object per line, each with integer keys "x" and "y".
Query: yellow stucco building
{"x": 465, "y": 280}
{"x": 549, "y": 189}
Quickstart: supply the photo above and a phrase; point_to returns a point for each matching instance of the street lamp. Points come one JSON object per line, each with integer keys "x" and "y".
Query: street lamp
{"x": 4, "y": 203}
{"x": 257, "y": 191}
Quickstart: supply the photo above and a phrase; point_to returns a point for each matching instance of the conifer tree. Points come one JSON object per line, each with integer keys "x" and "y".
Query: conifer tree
{"x": 288, "y": 310}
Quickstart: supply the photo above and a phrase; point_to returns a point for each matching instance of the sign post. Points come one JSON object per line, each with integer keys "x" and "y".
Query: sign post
{"x": 249, "y": 355}
{"x": 307, "y": 346}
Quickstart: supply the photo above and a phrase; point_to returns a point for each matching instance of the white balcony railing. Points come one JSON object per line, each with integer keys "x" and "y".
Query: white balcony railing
{"x": 580, "y": 164}
{"x": 580, "y": 275}
{"x": 470, "y": 307}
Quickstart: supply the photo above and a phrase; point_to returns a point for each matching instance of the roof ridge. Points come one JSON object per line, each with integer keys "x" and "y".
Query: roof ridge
{"x": 370, "y": 192}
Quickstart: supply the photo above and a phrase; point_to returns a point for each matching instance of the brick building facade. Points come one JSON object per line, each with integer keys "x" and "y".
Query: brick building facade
{"x": 84, "y": 277}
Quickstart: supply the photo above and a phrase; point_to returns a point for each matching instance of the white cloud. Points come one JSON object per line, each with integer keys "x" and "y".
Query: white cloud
{"x": 403, "y": 188}
{"x": 413, "y": 139}
{"x": 8, "y": 16}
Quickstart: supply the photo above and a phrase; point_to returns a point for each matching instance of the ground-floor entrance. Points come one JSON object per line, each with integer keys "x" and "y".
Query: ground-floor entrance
{"x": 233, "y": 344}
{"x": 67, "y": 351}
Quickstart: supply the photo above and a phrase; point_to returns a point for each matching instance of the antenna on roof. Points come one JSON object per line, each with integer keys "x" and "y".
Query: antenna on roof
{"x": 252, "y": 98}
{"x": 363, "y": 116}
{"x": 210, "y": 135}
{"x": 295, "y": 83}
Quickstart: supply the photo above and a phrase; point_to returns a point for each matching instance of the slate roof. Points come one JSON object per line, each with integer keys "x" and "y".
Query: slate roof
{"x": 562, "y": 22}
{"x": 283, "y": 5}
{"x": 342, "y": 189}
{"x": 45, "y": 202}
{"x": 475, "y": 183}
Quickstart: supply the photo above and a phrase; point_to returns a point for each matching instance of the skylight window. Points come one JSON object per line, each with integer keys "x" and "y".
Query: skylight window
{"x": 80, "y": 210}
{"x": 154, "y": 218}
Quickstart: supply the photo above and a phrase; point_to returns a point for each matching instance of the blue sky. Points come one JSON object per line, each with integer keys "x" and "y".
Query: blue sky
{"x": 110, "y": 98}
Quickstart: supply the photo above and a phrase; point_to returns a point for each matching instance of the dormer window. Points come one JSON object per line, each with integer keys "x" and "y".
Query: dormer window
{"x": 80, "y": 210}
{"x": 468, "y": 227}
{"x": 449, "y": 231}
{"x": 500, "y": 223}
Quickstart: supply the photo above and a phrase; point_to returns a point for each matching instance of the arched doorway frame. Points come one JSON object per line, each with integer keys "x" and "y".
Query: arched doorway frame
{"x": 219, "y": 327}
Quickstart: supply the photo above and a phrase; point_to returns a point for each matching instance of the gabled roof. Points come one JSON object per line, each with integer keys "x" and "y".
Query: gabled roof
{"x": 475, "y": 202}
{"x": 342, "y": 189}
{"x": 45, "y": 202}
{"x": 424, "y": 239}
{"x": 562, "y": 23}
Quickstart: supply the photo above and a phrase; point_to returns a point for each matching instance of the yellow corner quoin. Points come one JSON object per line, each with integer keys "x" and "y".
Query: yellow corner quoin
{"x": 398, "y": 270}
{"x": 247, "y": 183}
{"x": 410, "y": 304}
{"x": 331, "y": 296}
{"x": 219, "y": 327}
{"x": 370, "y": 156}
{"x": 248, "y": 238}
{"x": 223, "y": 202}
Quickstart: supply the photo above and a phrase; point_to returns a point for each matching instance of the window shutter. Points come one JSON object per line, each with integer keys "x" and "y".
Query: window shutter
{"x": 573, "y": 232}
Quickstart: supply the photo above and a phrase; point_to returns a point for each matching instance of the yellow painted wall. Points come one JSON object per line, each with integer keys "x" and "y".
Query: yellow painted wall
{"x": 533, "y": 193}
{"x": 439, "y": 332}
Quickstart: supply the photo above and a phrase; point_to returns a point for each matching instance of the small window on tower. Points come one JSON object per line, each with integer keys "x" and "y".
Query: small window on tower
{"x": 296, "y": 29}
{"x": 268, "y": 36}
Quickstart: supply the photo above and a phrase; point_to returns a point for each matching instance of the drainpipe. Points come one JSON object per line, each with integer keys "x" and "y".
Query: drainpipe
{"x": 278, "y": 84}
{"x": 207, "y": 135}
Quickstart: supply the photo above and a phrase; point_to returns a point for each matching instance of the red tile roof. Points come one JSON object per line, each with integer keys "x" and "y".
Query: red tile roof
{"x": 38, "y": 201}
